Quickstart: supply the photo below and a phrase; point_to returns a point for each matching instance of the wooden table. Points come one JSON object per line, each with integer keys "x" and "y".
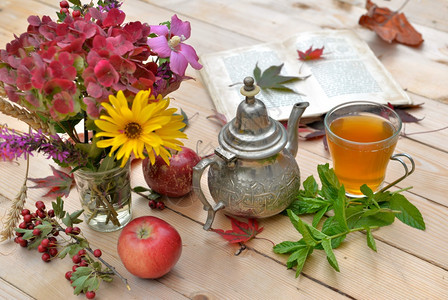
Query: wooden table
{"x": 409, "y": 264}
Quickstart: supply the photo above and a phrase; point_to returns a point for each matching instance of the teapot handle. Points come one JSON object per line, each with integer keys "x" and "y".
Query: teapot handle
{"x": 198, "y": 170}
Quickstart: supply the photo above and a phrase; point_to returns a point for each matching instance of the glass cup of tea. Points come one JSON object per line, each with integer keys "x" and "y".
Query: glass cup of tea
{"x": 361, "y": 138}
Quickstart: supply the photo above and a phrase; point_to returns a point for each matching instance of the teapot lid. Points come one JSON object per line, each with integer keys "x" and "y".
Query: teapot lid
{"x": 252, "y": 134}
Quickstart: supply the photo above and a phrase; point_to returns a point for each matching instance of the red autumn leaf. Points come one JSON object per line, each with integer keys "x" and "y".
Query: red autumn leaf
{"x": 241, "y": 232}
{"x": 60, "y": 183}
{"x": 390, "y": 25}
{"x": 404, "y": 115}
{"x": 315, "y": 135}
{"x": 222, "y": 120}
{"x": 311, "y": 54}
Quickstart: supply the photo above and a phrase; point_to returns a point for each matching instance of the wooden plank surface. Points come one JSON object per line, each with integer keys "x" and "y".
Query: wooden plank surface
{"x": 409, "y": 264}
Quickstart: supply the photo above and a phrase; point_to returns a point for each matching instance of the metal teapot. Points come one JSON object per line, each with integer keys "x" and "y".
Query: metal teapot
{"x": 253, "y": 173}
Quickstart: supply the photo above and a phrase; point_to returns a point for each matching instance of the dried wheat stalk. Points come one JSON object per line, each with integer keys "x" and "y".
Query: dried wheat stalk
{"x": 24, "y": 115}
{"x": 15, "y": 211}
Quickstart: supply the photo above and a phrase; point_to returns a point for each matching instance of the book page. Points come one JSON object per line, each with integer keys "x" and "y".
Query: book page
{"x": 224, "y": 72}
{"x": 348, "y": 71}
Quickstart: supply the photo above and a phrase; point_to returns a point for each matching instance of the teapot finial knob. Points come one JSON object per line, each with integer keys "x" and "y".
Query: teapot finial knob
{"x": 250, "y": 89}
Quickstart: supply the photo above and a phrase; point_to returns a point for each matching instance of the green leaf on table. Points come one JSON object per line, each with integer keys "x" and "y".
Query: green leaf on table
{"x": 330, "y": 183}
{"x": 271, "y": 78}
{"x": 78, "y": 284}
{"x": 409, "y": 215}
{"x": 301, "y": 228}
{"x": 339, "y": 208}
{"x": 332, "y": 227}
{"x": 378, "y": 218}
{"x": 74, "y": 216}
{"x": 63, "y": 253}
{"x": 370, "y": 239}
{"x": 58, "y": 207}
{"x": 319, "y": 215}
{"x": 326, "y": 244}
{"x": 298, "y": 258}
{"x": 141, "y": 189}
{"x": 310, "y": 187}
{"x": 305, "y": 205}
{"x": 370, "y": 212}
{"x": 92, "y": 284}
{"x": 288, "y": 247}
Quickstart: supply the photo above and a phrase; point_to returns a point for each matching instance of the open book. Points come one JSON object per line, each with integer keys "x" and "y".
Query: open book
{"x": 348, "y": 71}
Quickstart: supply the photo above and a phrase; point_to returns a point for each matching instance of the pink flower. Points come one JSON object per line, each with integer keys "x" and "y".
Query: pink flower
{"x": 170, "y": 43}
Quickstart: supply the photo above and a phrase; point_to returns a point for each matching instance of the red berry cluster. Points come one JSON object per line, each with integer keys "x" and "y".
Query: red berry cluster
{"x": 81, "y": 259}
{"x": 48, "y": 245}
{"x": 156, "y": 204}
{"x": 65, "y": 9}
{"x": 47, "y": 241}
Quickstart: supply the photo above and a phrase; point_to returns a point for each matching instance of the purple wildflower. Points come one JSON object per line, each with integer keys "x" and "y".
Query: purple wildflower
{"x": 14, "y": 145}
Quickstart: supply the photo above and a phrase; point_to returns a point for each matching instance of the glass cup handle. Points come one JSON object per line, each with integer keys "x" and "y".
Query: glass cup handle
{"x": 398, "y": 158}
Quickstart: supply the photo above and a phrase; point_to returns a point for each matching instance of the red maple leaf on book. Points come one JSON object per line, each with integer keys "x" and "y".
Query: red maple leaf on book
{"x": 241, "y": 232}
{"x": 311, "y": 54}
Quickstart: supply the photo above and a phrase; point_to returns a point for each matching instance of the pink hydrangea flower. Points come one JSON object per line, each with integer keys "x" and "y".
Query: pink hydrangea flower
{"x": 170, "y": 43}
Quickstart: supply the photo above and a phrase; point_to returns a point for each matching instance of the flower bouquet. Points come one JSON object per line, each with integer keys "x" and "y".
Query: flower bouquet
{"x": 93, "y": 89}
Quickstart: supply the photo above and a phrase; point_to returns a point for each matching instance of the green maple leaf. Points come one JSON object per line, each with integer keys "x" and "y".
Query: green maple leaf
{"x": 271, "y": 78}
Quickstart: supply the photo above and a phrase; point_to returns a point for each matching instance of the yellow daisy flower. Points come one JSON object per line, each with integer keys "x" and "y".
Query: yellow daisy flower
{"x": 147, "y": 125}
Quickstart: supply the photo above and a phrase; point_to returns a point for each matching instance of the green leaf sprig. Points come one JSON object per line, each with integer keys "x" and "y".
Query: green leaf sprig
{"x": 370, "y": 212}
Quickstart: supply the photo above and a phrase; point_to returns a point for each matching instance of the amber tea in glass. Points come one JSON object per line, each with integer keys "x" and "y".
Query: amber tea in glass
{"x": 361, "y": 138}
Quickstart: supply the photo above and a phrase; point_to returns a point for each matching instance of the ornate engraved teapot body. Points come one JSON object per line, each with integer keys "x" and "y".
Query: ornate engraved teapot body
{"x": 253, "y": 173}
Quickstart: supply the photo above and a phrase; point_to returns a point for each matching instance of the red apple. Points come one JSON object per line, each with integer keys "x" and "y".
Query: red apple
{"x": 174, "y": 180}
{"x": 149, "y": 247}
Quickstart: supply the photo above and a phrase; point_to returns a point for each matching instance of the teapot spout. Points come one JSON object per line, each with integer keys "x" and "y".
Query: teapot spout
{"x": 293, "y": 127}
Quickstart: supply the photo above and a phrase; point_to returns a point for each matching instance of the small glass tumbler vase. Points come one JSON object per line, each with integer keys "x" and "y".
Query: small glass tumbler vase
{"x": 105, "y": 197}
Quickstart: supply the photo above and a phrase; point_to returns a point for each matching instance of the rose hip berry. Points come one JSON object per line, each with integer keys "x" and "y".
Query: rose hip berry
{"x": 82, "y": 252}
{"x": 68, "y": 275}
{"x": 45, "y": 242}
{"x": 68, "y": 230}
{"x": 46, "y": 257}
{"x": 40, "y": 205}
{"x": 64, "y": 4}
{"x": 97, "y": 253}
{"x": 25, "y": 212}
{"x": 83, "y": 263}
{"x": 76, "y": 259}
{"x": 152, "y": 203}
{"x": 40, "y": 213}
{"x": 53, "y": 252}
{"x": 76, "y": 230}
{"x": 22, "y": 242}
{"x": 36, "y": 232}
{"x": 90, "y": 294}
{"x": 76, "y": 13}
{"x": 41, "y": 248}
{"x": 160, "y": 205}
